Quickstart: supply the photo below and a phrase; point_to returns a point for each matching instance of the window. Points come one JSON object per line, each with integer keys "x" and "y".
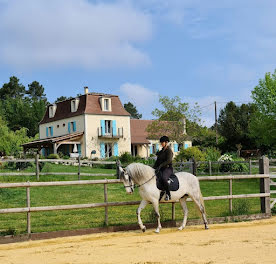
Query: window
{"x": 52, "y": 110}
{"x": 106, "y": 104}
{"x": 75, "y": 104}
{"x": 57, "y": 126}
{"x": 107, "y": 127}
{"x": 108, "y": 150}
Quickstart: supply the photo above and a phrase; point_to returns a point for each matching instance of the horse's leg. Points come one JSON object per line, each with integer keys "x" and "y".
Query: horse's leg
{"x": 155, "y": 205}
{"x": 185, "y": 211}
{"x": 200, "y": 204}
{"x": 142, "y": 205}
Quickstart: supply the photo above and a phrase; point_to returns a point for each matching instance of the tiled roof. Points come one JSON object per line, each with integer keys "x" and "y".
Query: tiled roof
{"x": 88, "y": 104}
{"x": 138, "y": 131}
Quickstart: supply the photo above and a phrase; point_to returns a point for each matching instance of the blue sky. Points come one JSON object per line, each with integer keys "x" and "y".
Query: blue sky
{"x": 202, "y": 51}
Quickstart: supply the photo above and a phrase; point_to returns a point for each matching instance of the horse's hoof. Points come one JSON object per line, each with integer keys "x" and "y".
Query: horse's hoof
{"x": 157, "y": 231}
{"x": 144, "y": 229}
{"x": 180, "y": 228}
{"x": 206, "y": 227}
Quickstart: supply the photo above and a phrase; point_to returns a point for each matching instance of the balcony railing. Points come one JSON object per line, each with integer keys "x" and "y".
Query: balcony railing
{"x": 118, "y": 133}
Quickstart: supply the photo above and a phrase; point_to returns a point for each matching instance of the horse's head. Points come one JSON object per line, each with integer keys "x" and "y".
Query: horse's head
{"x": 126, "y": 179}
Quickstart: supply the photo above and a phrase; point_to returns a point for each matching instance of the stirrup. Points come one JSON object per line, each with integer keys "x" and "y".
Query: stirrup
{"x": 168, "y": 197}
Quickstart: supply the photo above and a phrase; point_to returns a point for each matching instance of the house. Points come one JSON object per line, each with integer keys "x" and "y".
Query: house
{"x": 143, "y": 146}
{"x": 93, "y": 125}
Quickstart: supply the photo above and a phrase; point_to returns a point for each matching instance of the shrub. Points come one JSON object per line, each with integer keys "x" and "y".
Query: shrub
{"x": 126, "y": 158}
{"x": 233, "y": 167}
{"x": 53, "y": 156}
{"x": 241, "y": 207}
{"x": 212, "y": 154}
{"x": 187, "y": 154}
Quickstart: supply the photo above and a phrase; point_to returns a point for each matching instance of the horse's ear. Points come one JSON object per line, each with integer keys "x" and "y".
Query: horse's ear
{"x": 121, "y": 172}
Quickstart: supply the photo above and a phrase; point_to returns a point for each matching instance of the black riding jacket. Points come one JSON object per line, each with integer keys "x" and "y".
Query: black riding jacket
{"x": 164, "y": 159}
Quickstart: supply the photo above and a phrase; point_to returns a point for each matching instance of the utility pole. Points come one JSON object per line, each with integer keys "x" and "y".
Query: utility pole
{"x": 216, "y": 123}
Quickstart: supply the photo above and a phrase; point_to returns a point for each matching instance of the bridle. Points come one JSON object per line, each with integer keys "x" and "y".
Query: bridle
{"x": 132, "y": 186}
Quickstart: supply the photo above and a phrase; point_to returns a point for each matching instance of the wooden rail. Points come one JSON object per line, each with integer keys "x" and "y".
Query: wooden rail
{"x": 28, "y": 209}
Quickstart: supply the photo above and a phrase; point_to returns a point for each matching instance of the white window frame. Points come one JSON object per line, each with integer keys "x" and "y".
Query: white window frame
{"x": 52, "y": 110}
{"x": 75, "y": 105}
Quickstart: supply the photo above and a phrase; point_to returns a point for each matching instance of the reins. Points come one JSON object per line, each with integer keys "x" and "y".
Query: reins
{"x": 135, "y": 185}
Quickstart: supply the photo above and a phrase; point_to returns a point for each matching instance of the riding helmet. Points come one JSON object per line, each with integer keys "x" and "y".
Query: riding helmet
{"x": 164, "y": 139}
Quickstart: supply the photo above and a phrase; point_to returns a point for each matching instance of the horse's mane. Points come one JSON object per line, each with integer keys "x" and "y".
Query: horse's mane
{"x": 138, "y": 171}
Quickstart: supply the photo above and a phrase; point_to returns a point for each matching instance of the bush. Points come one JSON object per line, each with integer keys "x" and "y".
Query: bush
{"x": 232, "y": 167}
{"x": 212, "y": 154}
{"x": 187, "y": 154}
{"x": 53, "y": 156}
{"x": 126, "y": 158}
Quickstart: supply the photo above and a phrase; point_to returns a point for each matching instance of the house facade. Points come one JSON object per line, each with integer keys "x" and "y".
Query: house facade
{"x": 93, "y": 125}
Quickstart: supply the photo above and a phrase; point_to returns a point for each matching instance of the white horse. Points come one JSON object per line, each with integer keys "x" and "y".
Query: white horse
{"x": 143, "y": 176}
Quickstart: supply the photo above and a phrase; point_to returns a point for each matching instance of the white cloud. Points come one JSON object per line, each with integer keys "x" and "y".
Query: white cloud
{"x": 139, "y": 95}
{"x": 79, "y": 33}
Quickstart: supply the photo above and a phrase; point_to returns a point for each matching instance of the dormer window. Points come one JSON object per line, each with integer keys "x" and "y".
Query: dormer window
{"x": 52, "y": 110}
{"x": 105, "y": 104}
{"x": 75, "y": 104}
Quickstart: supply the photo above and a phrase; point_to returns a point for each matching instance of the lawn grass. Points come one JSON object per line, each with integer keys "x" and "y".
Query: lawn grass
{"x": 94, "y": 217}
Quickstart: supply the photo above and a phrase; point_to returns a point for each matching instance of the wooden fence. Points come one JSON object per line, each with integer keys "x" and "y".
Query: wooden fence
{"x": 264, "y": 194}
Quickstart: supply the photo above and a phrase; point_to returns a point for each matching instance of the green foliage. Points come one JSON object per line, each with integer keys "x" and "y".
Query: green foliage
{"x": 171, "y": 120}
{"x": 241, "y": 207}
{"x": 204, "y": 137}
{"x": 53, "y": 156}
{"x": 232, "y": 167}
{"x": 129, "y": 107}
{"x": 126, "y": 157}
{"x": 12, "y": 89}
{"x": 212, "y": 154}
{"x": 233, "y": 125}
{"x": 187, "y": 154}
{"x": 10, "y": 141}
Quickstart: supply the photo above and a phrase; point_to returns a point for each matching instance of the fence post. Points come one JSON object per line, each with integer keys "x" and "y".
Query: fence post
{"x": 173, "y": 211}
{"x": 106, "y": 208}
{"x": 194, "y": 166}
{"x": 210, "y": 167}
{"x": 79, "y": 168}
{"x": 28, "y": 200}
{"x": 264, "y": 185}
{"x": 37, "y": 166}
{"x": 230, "y": 193}
{"x": 250, "y": 166}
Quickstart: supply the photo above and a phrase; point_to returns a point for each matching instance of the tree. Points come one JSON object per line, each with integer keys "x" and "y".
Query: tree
{"x": 173, "y": 119}
{"x": 12, "y": 89}
{"x": 21, "y": 108}
{"x": 129, "y": 107}
{"x": 233, "y": 125}
{"x": 263, "y": 125}
{"x": 36, "y": 91}
{"x": 62, "y": 98}
{"x": 10, "y": 141}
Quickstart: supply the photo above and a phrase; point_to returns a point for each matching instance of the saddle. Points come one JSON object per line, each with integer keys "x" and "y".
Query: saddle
{"x": 173, "y": 185}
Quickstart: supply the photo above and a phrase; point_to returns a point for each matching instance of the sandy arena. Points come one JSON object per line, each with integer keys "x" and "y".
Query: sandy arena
{"x": 245, "y": 242}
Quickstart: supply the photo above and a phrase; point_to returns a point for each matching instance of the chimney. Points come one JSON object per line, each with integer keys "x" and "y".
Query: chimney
{"x": 184, "y": 125}
{"x": 85, "y": 90}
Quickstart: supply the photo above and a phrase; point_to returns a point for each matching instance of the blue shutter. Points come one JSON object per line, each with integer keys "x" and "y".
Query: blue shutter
{"x": 103, "y": 127}
{"x": 116, "y": 149}
{"x": 74, "y": 126}
{"x": 102, "y": 149}
{"x": 186, "y": 145}
{"x": 47, "y": 133}
{"x": 157, "y": 147}
{"x": 51, "y": 131}
{"x": 69, "y": 127}
{"x": 114, "y": 128}
{"x": 79, "y": 149}
{"x": 175, "y": 147}
{"x": 43, "y": 152}
{"x": 150, "y": 149}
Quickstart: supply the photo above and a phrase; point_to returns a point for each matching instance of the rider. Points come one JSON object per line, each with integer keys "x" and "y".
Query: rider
{"x": 163, "y": 165}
